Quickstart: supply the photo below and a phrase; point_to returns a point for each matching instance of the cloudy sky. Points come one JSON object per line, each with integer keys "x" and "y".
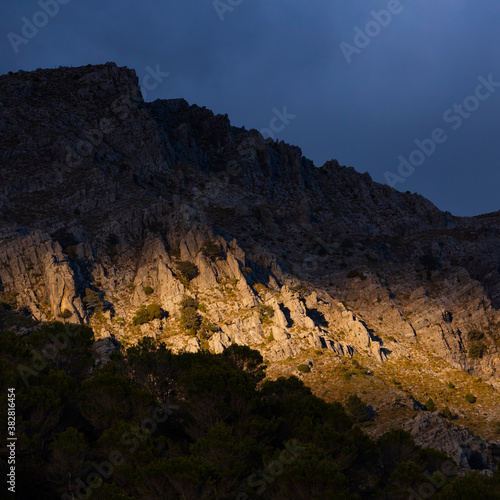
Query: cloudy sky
{"x": 358, "y": 80}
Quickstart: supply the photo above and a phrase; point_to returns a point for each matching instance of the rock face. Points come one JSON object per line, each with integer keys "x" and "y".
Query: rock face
{"x": 105, "y": 202}
{"x": 35, "y": 263}
{"x": 103, "y": 191}
{"x": 104, "y": 348}
{"x": 468, "y": 451}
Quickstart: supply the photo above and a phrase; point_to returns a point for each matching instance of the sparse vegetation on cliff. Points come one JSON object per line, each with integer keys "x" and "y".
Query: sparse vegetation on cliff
{"x": 148, "y": 313}
{"x": 336, "y": 278}
{"x": 190, "y": 320}
{"x": 207, "y": 408}
{"x": 188, "y": 271}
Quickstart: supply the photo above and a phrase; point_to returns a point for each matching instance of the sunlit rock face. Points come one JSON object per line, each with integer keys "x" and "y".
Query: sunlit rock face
{"x": 105, "y": 196}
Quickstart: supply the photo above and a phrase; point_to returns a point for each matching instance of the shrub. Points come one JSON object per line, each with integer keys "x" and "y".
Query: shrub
{"x": 93, "y": 301}
{"x": 356, "y": 274}
{"x": 148, "y": 290}
{"x": 304, "y": 368}
{"x": 211, "y": 250}
{"x": 241, "y": 357}
{"x": 266, "y": 312}
{"x": 147, "y": 314}
{"x": 187, "y": 269}
{"x": 476, "y": 350}
{"x": 301, "y": 289}
{"x": 175, "y": 252}
{"x": 451, "y": 385}
{"x": 190, "y": 319}
{"x": 357, "y": 408}
{"x": 470, "y": 398}
{"x": 477, "y": 346}
{"x": 447, "y": 413}
{"x": 154, "y": 311}
{"x": 65, "y": 314}
{"x": 430, "y": 405}
{"x": 141, "y": 316}
{"x": 207, "y": 329}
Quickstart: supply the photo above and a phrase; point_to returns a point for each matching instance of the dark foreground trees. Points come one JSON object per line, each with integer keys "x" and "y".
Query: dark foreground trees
{"x": 151, "y": 424}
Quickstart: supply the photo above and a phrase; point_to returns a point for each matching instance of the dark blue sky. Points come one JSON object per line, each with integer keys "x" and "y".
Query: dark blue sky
{"x": 363, "y": 104}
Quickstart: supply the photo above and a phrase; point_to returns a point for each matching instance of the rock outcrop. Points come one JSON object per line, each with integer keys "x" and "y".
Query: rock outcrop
{"x": 467, "y": 451}
{"x": 109, "y": 204}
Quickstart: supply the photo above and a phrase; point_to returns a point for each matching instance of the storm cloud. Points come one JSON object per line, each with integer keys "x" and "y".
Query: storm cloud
{"x": 389, "y": 87}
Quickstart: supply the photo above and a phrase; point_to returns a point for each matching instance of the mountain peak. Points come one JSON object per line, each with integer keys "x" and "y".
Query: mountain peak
{"x": 109, "y": 203}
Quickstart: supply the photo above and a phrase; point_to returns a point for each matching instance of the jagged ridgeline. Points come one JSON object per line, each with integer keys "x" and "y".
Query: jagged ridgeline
{"x": 160, "y": 220}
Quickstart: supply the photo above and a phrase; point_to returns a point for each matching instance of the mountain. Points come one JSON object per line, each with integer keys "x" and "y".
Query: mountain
{"x": 110, "y": 204}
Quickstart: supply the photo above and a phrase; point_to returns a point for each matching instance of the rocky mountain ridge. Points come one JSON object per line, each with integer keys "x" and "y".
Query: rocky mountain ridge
{"x": 109, "y": 203}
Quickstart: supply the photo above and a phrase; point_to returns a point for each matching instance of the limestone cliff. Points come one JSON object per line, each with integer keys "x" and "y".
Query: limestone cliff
{"x": 105, "y": 198}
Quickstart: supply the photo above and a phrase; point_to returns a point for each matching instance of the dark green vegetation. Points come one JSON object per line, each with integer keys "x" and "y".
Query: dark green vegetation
{"x": 357, "y": 408}
{"x": 470, "y": 398}
{"x": 187, "y": 270}
{"x": 207, "y": 329}
{"x": 93, "y": 301}
{"x": 151, "y": 424}
{"x": 212, "y": 250}
{"x": 145, "y": 314}
{"x": 447, "y": 413}
{"x": 65, "y": 314}
{"x": 356, "y": 274}
{"x": 477, "y": 344}
{"x": 190, "y": 319}
{"x": 266, "y": 312}
{"x": 430, "y": 405}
